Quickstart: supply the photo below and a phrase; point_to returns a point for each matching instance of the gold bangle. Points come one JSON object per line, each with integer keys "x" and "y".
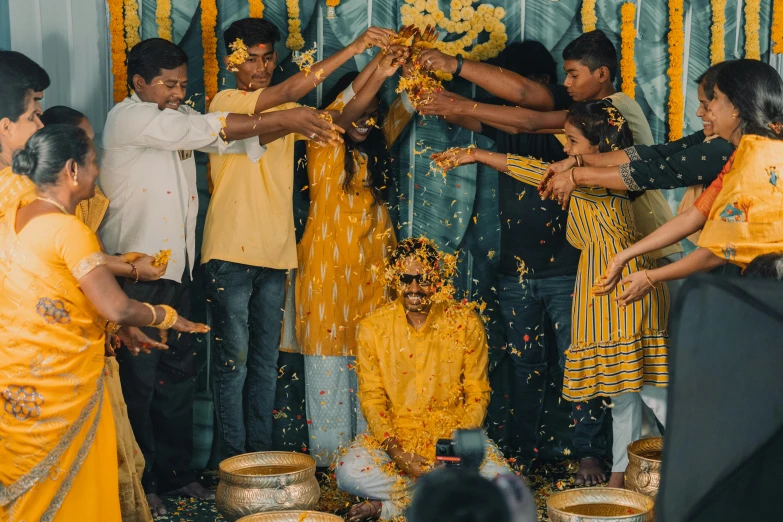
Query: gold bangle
{"x": 169, "y": 320}
{"x": 579, "y": 161}
{"x": 649, "y": 281}
{"x": 154, "y": 315}
{"x": 572, "y": 176}
{"x": 112, "y": 328}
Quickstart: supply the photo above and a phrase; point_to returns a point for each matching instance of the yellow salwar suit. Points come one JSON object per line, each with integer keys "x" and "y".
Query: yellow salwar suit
{"x": 57, "y": 439}
{"x": 341, "y": 255}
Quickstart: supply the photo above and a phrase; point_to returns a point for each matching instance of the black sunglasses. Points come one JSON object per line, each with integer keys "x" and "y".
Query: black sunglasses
{"x": 421, "y": 279}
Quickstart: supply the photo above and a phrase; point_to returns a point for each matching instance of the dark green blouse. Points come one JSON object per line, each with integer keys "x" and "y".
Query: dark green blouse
{"x": 682, "y": 163}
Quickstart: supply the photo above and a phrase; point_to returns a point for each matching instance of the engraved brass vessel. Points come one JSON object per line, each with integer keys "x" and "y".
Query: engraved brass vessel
{"x": 644, "y": 466}
{"x": 266, "y": 481}
{"x": 600, "y": 505}
{"x": 291, "y": 516}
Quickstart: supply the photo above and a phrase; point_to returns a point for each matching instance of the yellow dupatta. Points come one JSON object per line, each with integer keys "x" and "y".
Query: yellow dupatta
{"x": 58, "y": 444}
{"x": 746, "y": 219}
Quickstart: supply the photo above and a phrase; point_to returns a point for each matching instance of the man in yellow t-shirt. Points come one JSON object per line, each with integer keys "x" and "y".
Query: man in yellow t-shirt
{"x": 249, "y": 243}
{"x": 422, "y": 369}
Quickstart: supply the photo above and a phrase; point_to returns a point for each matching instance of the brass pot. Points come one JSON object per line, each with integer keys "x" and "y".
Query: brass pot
{"x": 291, "y": 516}
{"x": 266, "y": 481}
{"x": 600, "y": 505}
{"x": 644, "y": 466}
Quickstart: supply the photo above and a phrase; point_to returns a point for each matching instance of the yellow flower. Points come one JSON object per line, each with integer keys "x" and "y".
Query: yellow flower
{"x": 676, "y": 39}
{"x": 132, "y": 23}
{"x": 209, "y": 43}
{"x": 500, "y": 13}
{"x": 294, "y": 40}
{"x": 257, "y": 8}
{"x": 332, "y": 3}
{"x": 589, "y": 18}
{"x": 467, "y": 13}
{"x": 419, "y": 5}
{"x": 752, "y": 26}
{"x": 777, "y": 27}
{"x": 718, "y": 30}
{"x": 628, "y": 37}
{"x": 118, "y": 67}
{"x": 163, "y": 18}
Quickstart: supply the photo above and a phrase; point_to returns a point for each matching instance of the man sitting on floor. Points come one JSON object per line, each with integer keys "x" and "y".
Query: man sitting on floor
{"x": 422, "y": 371}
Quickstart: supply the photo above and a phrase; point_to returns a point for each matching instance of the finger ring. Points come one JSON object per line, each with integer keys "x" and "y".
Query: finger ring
{"x": 312, "y": 136}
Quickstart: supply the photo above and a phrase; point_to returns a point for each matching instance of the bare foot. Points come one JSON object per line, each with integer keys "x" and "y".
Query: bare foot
{"x": 195, "y": 490}
{"x": 617, "y": 480}
{"x": 156, "y": 506}
{"x": 590, "y": 472}
{"x": 367, "y": 510}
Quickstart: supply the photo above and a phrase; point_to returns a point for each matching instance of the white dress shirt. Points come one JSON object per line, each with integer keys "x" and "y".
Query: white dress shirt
{"x": 149, "y": 175}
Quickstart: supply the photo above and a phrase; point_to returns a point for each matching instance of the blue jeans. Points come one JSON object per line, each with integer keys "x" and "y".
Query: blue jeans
{"x": 246, "y": 303}
{"x": 524, "y": 307}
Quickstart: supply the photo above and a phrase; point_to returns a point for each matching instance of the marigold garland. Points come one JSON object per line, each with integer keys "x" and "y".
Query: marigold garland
{"x": 163, "y": 17}
{"x": 589, "y": 19}
{"x": 676, "y": 40}
{"x": 132, "y": 23}
{"x": 209, "y": 43}
{"x": 256, "y": 8}
{"x": 295, "y": 40}
{"x": 752, "y": 27}
{"x": 628, "y": 37}
{"x": 718, "y": 30}
{"x": 463, "y": 18}
{"x": 118, "y": 67}
{"x": 777, "y": 26}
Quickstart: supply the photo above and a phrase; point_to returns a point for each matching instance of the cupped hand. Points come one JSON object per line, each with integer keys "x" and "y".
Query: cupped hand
{"x": 316, "y": 125}
{"x": 435, "y": 60}
{"x": 426, "y": 39}
{"x": 137, "y": 341}
{"x": 373, "y": 37}
{"x": 395, "y": 56}
{"x": 146, "y": 270}
{"x": 559, "y": 166}
{"x": 610, "y": 278}
{"x": 453, "y": 158}
{"x": 560, "y": 189}
{"x": 131, "y": 257}
{"x": 412, "y": 464}
{"x": 635, "y": 287}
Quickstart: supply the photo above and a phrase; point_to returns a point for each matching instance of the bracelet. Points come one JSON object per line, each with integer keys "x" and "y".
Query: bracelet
{"x": 154, "y": 315}
{"x": 169, "y": 320}
{"x": 459, "y": 65}
{"x": 112, "y": 328}
{"x": 135, "y": 271}
{"x": 580, "y": 162}
{"x": 649, "y": 281}
{"x": 572, "y": 176}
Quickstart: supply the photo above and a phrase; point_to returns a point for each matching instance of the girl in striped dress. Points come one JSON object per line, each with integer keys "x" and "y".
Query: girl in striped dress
{"x": 618, "y": 352}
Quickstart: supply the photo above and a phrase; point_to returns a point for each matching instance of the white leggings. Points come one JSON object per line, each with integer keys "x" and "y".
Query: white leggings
{"x": 627, "y": 420}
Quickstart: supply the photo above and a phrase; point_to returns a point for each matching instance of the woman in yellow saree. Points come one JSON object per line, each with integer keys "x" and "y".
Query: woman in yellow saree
{"x": 57, "y": 436}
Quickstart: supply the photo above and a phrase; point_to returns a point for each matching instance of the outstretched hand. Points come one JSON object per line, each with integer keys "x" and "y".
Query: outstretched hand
{"x": 554, "y": 168}
{"x": 315, "y": 125}
{"x": 435, "y": 60}
{"x": 558, "y": 187}
{"x": 453, "y": 158}
{"x": 439, "y": 103}
{"x": 610, "y": 278}
{"x": 137, "y": 341}
{"x": 373, "y": 37}
{"x": 635, "y": 286}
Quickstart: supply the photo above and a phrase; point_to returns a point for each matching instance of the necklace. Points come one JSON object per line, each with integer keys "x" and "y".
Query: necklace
{"x": 56, "y": 204}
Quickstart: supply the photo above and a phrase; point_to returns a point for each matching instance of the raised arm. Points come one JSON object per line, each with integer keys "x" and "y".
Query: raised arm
{"x": 499, "y": 82}
{"x": 296, "y": 87}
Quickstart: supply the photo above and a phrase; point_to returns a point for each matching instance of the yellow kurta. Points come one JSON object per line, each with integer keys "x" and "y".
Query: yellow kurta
{"x": 613, "y": 350}
{"x": 421, "y": 385}
{"x": 746, "y": 219}
{"x": 342, "y": 251}
{"x": 59, "y": 449}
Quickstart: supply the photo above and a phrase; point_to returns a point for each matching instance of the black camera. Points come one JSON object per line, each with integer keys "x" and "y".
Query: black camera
{"x": 466, "y": 450}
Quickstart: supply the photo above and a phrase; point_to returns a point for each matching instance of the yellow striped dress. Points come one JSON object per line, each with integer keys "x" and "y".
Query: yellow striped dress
{"x": 613, "y": 349}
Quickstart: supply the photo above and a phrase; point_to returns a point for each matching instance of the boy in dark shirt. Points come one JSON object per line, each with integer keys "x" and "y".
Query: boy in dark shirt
{"x": 537, "y": 265}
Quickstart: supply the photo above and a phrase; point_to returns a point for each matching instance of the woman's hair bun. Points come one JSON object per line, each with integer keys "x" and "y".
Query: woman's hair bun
{"x": 25, "y": 161}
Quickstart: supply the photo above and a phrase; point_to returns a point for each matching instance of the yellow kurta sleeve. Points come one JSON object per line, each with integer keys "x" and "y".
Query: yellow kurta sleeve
{"x": 372, "y": 393}
{"x": 15, "y": 189}
{"x": 526, "y": 170}
{"x": 476, "y": 383}
{"x": 396, "y": 120}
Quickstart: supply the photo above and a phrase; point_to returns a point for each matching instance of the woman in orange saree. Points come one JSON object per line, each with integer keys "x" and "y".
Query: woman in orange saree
{"x": 57, "y": 436}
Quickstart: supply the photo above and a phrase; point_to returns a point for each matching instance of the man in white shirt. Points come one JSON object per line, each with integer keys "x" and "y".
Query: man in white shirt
{"x": 149, "y": 174}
